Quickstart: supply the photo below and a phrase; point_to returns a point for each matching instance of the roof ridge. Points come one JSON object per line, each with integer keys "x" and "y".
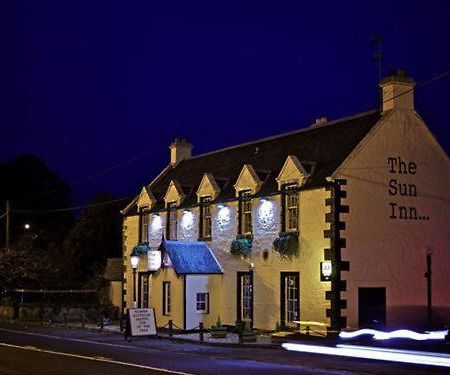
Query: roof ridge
{"x": 329, "y": 123}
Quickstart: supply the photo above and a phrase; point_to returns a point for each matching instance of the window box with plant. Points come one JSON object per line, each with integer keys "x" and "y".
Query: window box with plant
{"x": 241, "y": 246}
{"x": 287, "y": 244}
{"x": 218, "y": 331}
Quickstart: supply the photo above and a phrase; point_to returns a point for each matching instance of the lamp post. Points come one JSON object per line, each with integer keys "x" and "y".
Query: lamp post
{"x": 134, "y": 259}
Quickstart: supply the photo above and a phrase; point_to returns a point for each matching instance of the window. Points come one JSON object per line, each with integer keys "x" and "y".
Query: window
{"x": 205, "y": 218}
{"x": 171, "y": 224}
{"x": 203, "y": 303}
{"x": 144, "y": 220}
{"x": 289, "y": 208}
{"x": 167, "y": 298}
{"x": 143, "y": 290}
{"x": 245, "y": 212}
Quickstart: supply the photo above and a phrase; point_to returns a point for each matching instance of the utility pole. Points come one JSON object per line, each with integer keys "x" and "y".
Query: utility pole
{"x": 8, "y": 223}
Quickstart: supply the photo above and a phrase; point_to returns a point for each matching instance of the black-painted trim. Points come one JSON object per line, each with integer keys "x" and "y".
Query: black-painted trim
{"x": 337, "y": 322}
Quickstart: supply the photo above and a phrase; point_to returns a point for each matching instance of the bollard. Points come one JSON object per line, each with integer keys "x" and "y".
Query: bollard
{"x": 101, "y": 322}
{"x": 82, "y": 319}
{"x": 170, "y": 328}
{"x": 65, "y": 319}
{"x": 201, "y": 331}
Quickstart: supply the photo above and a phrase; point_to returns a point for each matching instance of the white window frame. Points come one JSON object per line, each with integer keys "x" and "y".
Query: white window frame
{"x": 202, "y": 298}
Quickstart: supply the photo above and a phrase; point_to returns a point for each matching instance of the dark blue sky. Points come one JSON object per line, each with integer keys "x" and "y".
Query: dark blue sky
{"x": 88, "y": 85}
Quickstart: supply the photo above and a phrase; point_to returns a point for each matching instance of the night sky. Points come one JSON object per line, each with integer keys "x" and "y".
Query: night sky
{"x": 93, "y": 85}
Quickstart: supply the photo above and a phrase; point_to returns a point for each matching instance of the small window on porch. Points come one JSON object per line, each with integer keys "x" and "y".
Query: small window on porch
{"x": 203, "y": 303}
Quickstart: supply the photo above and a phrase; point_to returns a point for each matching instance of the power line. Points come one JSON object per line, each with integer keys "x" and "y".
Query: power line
{"x": 420, "y": 85}
{"x": 135, "y": 158}
{"x": 87, "y": 178}
{"x": 71, "y": 208}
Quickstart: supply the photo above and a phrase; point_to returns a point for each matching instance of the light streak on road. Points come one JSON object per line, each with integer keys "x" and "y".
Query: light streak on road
{"x": 399, "y": 334}
{"x": 381, "y": 354}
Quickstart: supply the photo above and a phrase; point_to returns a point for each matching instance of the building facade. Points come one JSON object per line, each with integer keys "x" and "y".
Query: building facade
{"x": 335, "y": 224}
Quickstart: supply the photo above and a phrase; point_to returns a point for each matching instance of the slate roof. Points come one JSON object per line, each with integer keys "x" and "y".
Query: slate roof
{"x": 191, "y": 257}
{"x": 114, "y": 269}
{"x": 322, "y": 147}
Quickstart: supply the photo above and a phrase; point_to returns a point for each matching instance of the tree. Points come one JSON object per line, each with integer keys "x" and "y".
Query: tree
{"x": 96, "y": 236}
{"x": 31, "y": 186}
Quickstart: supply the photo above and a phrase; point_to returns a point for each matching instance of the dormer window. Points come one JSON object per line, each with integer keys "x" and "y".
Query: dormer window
{"x": 245, "y": 212}
{"x": 144, "y": 216}
{"x": 289, "y": 208}
{"x": 171, "y": 222}
{"x": 205, "y": 218}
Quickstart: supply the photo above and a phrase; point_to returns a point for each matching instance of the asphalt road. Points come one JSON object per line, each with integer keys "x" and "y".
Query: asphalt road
{"x": 64, "y": 351}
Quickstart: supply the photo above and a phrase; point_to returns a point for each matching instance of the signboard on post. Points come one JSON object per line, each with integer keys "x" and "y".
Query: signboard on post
{"x": 141, "y": 322}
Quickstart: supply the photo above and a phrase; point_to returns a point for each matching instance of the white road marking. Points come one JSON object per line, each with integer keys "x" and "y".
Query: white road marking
{"x": 96, "y": 359}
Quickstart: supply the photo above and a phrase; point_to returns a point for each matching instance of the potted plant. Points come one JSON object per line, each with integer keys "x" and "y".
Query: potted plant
{"x": 247, "y": 333}
{"x": 218, "y": 331}
{"x": 241, "y": 246}
{"x": 286, "y": 244}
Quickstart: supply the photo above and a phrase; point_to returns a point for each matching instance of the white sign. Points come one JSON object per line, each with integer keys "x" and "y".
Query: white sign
{"x": 142, "y": 322}
{"x": 154, "y": 260}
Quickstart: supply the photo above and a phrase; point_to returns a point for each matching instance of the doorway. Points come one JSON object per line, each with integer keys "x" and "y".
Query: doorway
{"x": 372, "y": 307}
{"x": 290, "y": 298}
{"x": 245, "y": 297}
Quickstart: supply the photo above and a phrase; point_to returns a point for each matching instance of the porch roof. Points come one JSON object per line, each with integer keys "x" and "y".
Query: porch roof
{"x": 191, "y": 257}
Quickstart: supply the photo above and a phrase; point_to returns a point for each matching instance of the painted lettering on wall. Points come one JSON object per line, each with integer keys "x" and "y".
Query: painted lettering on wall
{"x": 401, "y": 184}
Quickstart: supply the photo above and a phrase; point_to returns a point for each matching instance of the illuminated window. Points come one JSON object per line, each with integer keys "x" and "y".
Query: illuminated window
{"x": 144, "y": 218}
{"x": 289, "y": 208}
{"x": 167, "y": 298}
{"x": 245, "y": 212}
{"x": 205, "y": 218}
{"x": 171, "y": 224}
{"x": 203, "y": 303}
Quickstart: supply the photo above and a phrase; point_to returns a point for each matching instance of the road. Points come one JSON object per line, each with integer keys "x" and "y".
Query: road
{"x": 63, "y": 351}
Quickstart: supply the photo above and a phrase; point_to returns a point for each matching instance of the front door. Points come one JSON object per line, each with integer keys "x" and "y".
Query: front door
{"x": 290, "y": 298}
{"x": 143, "y": 290}
{"x": 245, "y": 297}
{"x": 372, "y": 307}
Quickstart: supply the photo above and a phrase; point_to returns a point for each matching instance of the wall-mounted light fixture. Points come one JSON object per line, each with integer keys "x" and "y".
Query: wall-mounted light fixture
{"x": 326, "y": 270}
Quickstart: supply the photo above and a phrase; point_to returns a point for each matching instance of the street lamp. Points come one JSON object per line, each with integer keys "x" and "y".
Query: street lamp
{"x": 134, "y": 259}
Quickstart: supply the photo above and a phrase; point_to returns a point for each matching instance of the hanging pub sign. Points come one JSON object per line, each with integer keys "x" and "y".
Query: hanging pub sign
{"x": 154, "y": 260}
{"x": 325, "y": 270}
{"x": 140, "y": 322}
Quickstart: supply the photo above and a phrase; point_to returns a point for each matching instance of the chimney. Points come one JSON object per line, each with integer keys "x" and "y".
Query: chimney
{"x": 179, "y": 149}
{"x": 397, "y": 91}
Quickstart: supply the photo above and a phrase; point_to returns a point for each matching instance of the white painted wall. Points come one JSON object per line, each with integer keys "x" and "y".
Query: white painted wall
{"x": 196, "y": 284}
{"x": 391, "y": 252}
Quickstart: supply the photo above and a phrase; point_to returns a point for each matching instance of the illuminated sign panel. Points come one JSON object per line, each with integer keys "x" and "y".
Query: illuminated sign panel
{"x": 325, "y": 270}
